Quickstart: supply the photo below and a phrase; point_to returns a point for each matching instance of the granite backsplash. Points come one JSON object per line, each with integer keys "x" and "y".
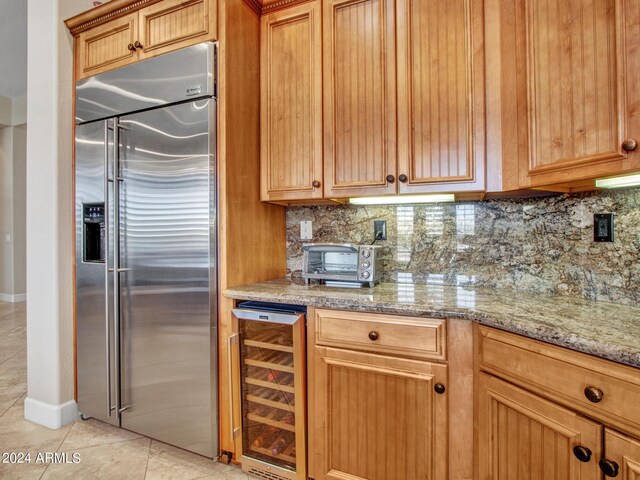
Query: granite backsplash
{"x": 532, "y": 244}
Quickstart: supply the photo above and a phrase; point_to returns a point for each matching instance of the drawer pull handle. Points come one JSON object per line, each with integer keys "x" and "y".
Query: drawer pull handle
{"x": 137, "y": 44}
{"x": 131, "y": 48}
{"x": 373, "y": 335}
{"x": 609, "y": 467}
{"x": 315, "y": 184}
{"x": 593, "y": 394}
{"x": 582, "y": 453}
{"x": 439, "y": 388}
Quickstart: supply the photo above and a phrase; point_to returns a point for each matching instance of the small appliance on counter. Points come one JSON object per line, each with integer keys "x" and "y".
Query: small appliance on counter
{"x": 342, "y": 264}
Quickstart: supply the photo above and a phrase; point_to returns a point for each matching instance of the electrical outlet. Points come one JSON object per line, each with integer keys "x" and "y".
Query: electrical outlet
{"x": 603, "y": 227}
{"x": 380, "y": 229}
{"x": 7, "y": 238}
{"x": 306, "y": 230}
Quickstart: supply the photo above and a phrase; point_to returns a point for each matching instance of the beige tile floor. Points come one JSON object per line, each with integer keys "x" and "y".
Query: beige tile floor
{"x": 105, "y": 452}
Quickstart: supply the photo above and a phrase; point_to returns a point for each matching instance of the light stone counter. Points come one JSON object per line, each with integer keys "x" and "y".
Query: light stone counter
{"x": 606, "y": 330}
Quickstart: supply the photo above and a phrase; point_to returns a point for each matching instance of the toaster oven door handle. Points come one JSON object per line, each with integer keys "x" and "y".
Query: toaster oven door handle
{"x": 329, "y": 247}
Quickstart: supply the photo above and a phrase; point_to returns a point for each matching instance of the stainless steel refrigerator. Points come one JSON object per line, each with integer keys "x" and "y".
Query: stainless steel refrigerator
{"x": 146, "y": 254}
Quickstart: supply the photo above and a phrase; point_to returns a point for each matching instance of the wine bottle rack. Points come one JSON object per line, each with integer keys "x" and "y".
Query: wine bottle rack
{"x": 271, "y": 363}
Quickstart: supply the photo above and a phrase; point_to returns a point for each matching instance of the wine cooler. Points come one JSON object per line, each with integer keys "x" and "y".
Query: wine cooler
{"x": 268, "y": 350}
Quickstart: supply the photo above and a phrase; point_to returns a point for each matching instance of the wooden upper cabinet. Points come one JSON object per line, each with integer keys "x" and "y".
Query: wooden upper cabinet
{"x": 173, "y": 24}
{"x": 522, "y": 436}
{"x": 378, "y": 417}
{"x": 565, "y": 88}
{"x": 359, "y": 97}
{"x": 126, "y": 33}
{"x": 291, "y": 116}
{"x": 624, "y": 453}
{"x": 441, "y": 137}
{"x": 107, "y": 46}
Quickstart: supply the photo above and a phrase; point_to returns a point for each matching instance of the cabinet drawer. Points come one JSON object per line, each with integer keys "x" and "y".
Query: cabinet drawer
{"x": 564, "y": 375}
{"x": 396, "y": 335}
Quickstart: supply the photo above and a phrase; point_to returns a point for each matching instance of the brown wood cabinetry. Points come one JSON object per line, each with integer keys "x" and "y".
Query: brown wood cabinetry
{"x": 441, "y": 137}
{"x": 378, "y": 417}
{"x": 173, "y": 24}
{"x": 403, "y": 106}
{"x": 563, "y": 87}
{"x": 555, "y": 422}
{"x": 377, "y": 414}
{"x": 359, "y": 97}
{"x": 622, "y": 456}
{"x": 291, "y": 111}
{"x": 523, "y": 436}
{"x": 107, "y": 46}
{"x": 139, "y": 33}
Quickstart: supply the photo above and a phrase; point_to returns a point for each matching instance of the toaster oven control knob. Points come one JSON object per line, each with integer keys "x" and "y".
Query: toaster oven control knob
{"x": 365, "y": 274}
{"x": 366, "y": 253}
{"x": 366, "y": 264}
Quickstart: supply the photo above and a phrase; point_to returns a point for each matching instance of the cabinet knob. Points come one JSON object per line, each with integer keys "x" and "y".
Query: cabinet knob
{"x": 593, "y": 394}
{"x": 373, "y": 335}
{"x": 629, "y": 145}
{"x": 391, "y": 178}
{"x": 582, "y": 453}
{"x": 315, "y": 184}
{"x": 609, "y": 467}
{"x": 439, "y": 388}
{"x": 137, "y": 44}
{"x": 403, "y": 178}
{"x": 130, "y": 47}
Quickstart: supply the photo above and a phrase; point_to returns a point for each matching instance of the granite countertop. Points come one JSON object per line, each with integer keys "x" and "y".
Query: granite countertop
{"x": 606, "y": 330}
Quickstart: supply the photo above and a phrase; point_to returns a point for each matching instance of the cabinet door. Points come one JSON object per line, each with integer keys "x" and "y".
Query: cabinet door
{"x": 107, "y": 46}
{"x": 522, "y": 436}
{"x": 625, "y": 453}
{"x": 291, "y": 117}
{"x": 378, "y": 417}
{"x": 569, "y": 87}
{"x": 359, "y": 97}
{"x": 173, "y": 24}
{"x": 441, "y": 137}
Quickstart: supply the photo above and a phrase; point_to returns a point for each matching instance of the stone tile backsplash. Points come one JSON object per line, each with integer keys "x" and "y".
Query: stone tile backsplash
{"x": 533, "y": 244}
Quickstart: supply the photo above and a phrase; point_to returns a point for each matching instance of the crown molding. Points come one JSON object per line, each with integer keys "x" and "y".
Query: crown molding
{"x": 262, "y": 7}
{"x": 116, "y": 8}
{"x": 104, "y": 13}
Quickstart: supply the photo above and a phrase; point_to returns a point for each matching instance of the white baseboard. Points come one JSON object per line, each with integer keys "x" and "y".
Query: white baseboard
{"x": 50, "y": 416}
{"x": 6, "y": 297}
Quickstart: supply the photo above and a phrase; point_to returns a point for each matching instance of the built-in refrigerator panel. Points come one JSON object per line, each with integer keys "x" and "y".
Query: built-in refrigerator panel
{"x": 94, "y": 307}
{"x": 167, "y": 314}
{"x": 146, "y": 252}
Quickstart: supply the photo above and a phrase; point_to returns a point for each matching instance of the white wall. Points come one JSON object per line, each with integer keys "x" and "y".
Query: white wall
{"x": 12, "y": 199}
{"x": 50, "y": 213}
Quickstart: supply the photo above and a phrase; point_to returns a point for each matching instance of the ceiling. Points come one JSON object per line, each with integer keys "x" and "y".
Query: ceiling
{"x": 13, "y": 48}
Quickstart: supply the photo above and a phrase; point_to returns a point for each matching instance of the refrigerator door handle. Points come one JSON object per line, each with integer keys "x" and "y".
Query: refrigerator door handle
{"x": 116, "y": 262}
{"x": 107, "y": 320}
{"x": 232, "y": 340}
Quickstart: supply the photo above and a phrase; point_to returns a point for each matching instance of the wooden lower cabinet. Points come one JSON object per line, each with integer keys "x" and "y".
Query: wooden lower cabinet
{"x": 378, "y": 417}
{"x": 623, "y": 453}
{"x": 522, "y": 436}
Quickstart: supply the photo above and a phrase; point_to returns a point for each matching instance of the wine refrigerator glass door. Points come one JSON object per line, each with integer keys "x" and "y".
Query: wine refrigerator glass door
{"x": 272, "y": 368}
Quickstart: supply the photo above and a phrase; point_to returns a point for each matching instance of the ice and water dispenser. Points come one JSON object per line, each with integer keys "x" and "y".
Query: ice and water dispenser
{"x": 93, "y": 232}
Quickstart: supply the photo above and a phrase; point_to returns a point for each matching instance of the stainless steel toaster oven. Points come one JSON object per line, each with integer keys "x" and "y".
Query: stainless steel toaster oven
{"x": 342, "y": 264}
